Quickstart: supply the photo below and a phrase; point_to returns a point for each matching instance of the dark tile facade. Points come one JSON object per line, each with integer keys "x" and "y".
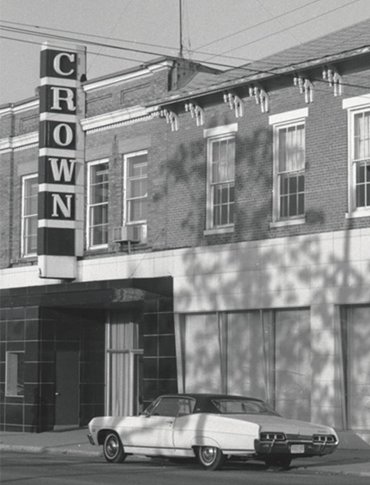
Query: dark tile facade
{"x": 49, "y": 321}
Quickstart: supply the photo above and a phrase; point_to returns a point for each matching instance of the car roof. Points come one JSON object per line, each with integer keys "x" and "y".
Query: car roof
{"x": 208, "y": 396}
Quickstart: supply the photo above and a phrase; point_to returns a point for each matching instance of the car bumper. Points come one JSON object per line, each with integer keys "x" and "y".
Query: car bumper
{"x": 91, "y": 439}
{"x": 294, "y": 448}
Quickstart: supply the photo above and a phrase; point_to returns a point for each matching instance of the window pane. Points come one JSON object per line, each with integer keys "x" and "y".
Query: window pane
{"x": 301, "y": 183}
{"x": 137, "y": 210}
{"x": 98, "y": 203}
{"x": 358, "y": 367}
{"x": 300, "y": 204}
{"x": 223, "y": 204}
{"x": 99, "y": 193}
{"x": 14, "y": 373}
{"x": 99, "y": 215}
{"x": 293, "y": 367}
{"x": 293, "y": 205}
{"x": 245, "y": 356}
{"x": 362, "y": 135}
{"x": 29, "y": 216}
{"x": 291, "y": 195}
{"x": 292, "y": 185}
{"x": 99, "y": 235}
{"x": 137, "y": 188}
{"x": 360, "y": 173}
{"x": 284, "y": 207}
{"x": 221, "y": 179}
{"x": 137, "y": 165}
{"x": 223, "y": 160}
{"x": 202, "y": 362}
{"x": 291, "y": 148}
{"x": 360, "y": 196}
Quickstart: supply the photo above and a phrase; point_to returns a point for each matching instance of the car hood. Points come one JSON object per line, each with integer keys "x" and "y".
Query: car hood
{"x": 278, "y": 423}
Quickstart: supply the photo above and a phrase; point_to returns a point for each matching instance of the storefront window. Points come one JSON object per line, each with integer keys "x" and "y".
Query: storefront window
{"x": 264, "y": 354}
{"x": 355, "y": 344}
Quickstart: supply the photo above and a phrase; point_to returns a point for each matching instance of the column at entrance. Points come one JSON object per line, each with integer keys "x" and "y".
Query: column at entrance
{"x": 123, "y": 366}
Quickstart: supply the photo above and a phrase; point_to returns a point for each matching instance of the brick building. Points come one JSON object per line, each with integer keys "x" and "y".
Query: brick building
{"x": 226, "y": 248}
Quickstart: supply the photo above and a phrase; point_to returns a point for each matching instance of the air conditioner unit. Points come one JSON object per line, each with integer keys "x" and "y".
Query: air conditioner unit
{"x": 136, "y": 233}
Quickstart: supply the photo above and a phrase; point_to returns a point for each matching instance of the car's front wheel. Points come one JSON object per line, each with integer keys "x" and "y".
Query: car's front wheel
{"x": 210, "y": 457}
{"x": 113, "y": 449}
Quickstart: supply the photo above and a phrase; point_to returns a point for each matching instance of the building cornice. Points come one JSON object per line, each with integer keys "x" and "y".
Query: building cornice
{"x": 120, "y": 117}
{"x": 19, "y": 108}
{"x": 21, "y": 142}
{"x": 124, "y": 77}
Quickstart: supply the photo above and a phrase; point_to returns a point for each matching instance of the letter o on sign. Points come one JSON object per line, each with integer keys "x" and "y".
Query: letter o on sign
{"x": 63, "y": 135}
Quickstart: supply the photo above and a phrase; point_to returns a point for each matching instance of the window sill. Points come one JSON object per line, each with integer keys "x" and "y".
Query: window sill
{"x": 93, "y": 249}
{"x": 219, "y": 230}
{"x": 358, "y": 213}
{"x": 288, "y": 222}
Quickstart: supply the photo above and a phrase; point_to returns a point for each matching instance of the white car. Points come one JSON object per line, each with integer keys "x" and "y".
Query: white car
{"x": 211, "y": 427}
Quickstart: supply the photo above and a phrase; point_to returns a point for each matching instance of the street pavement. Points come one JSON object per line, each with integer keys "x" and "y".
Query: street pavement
{"x": 351, "y": 458}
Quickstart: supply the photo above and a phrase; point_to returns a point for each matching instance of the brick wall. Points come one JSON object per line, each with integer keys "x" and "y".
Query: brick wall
{"x": 177, "y": 165}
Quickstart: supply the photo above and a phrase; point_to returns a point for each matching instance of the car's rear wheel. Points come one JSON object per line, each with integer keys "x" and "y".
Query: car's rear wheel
{"x": 113, "y": 449}
{"x": 278, "y": 461}
{"x": 210, "y": 457}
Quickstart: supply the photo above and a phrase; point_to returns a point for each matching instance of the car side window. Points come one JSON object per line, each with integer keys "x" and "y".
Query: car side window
{"x": 167, "y": 406}
{"x": 185, "y": 406}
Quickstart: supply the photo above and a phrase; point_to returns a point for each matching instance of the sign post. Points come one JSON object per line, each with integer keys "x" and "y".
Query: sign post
{"x": 61, "y": 162}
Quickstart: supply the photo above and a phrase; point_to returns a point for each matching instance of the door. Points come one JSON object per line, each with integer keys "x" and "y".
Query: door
{"x": 67, "y": 396}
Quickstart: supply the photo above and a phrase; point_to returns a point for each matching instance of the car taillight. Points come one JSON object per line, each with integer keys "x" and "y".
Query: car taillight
{"x": 272, "y": 436}
{"x": 323, "y": 438}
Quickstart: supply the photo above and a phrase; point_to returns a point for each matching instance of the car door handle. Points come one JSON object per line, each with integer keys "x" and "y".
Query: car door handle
{"x": 169, "y": 422}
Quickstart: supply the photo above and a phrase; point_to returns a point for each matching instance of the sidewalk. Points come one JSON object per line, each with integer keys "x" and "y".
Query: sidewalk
{"x": 351, "y": 458}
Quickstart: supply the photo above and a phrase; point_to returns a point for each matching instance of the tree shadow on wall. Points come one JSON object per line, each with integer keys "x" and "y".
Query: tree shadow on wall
{"x": 312, "y": 272}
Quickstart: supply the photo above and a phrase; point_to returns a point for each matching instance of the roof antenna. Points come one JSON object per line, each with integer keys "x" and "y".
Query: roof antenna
{"x": 180, "y": 20}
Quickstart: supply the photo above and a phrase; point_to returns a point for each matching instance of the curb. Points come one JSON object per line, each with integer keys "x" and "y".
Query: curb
{"x": 330, "y": 471}
{"x": 49, "y": 449}
{"x": 52, "y": 450}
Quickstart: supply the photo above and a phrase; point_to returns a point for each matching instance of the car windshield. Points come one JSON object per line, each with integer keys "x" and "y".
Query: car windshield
{"x": 242, "y": 406}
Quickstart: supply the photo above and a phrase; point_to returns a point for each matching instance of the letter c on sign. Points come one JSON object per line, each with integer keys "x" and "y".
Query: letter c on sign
{"x": 67, "y": 132}
{"x": 57, "y": 63}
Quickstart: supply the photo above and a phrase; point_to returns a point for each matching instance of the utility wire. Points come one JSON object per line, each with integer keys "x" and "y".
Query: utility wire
{"x": 141, "y": 51}
{"x": 34, "y": 42}
{"x": 267, "y": 36}
{"x": 212, "y": 55}
{"x": 256, "y": 25}
{"x": 248, "y": 70}
{"x": 323, "y": 81}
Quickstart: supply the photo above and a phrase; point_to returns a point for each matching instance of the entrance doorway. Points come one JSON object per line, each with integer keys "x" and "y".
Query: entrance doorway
{"x": 123, "y": 366}
{"x": 67, "y": 394}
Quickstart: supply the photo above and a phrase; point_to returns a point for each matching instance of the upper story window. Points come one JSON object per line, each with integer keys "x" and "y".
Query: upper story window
{"x": 220, "y": 177}
{"x": 136, "y": 187}
{"x": 289, "y": 166}
{"x": 97, "y": 204}
{"x": 361, "y": 157}
{"x": 358, "y": 155}
{"x": 29, "y": 215}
